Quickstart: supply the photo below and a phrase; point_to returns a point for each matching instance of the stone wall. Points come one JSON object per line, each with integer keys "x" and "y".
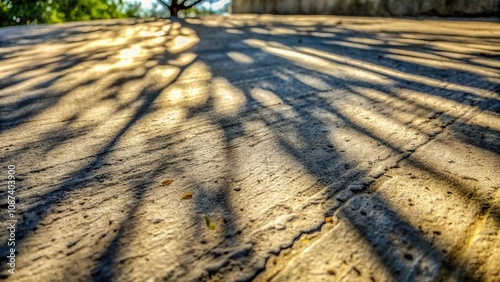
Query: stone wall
{"x": 370, "y": 7}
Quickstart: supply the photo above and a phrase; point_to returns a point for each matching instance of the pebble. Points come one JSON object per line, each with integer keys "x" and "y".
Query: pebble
{"x": 157, "y": 220}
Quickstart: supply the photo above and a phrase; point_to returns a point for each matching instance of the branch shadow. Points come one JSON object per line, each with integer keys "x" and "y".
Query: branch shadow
{"x": 293, "y": 99}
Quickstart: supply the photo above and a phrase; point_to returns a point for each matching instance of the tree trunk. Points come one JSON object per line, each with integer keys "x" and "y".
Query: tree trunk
{"x": 175, "y": 9}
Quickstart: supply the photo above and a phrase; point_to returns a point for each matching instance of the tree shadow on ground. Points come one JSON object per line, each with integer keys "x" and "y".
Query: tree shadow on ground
{"x": 269, "y": 122}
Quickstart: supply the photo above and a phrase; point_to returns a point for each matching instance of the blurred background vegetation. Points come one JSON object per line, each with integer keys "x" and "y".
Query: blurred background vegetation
{"x": 32, "y": 12}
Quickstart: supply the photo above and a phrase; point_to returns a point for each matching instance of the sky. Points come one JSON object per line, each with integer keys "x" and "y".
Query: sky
{"x": 217, "y": 4}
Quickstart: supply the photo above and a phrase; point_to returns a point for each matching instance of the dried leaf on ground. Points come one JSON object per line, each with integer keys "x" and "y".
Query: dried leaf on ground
{"x": 167, "y": 182}
{"x": 188, "y": 195}
{"x": 210, "y": 225}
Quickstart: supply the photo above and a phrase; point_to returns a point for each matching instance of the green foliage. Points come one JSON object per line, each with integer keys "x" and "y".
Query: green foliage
{"x": 16, "y": 12}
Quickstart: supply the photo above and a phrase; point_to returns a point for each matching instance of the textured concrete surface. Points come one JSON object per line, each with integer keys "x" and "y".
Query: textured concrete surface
{"x": 320, "y": 149}
{"x": 370, "y": 7}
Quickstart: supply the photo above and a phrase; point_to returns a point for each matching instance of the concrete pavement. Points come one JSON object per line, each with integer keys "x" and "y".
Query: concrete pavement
{"x": 282, "y": 148}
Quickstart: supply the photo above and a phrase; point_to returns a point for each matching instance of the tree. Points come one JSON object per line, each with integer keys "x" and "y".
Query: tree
{"x": 15, "y": 12}
{"x": 175, "y": 6}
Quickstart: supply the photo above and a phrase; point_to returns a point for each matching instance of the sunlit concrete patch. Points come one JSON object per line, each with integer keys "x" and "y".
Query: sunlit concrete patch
{"x": 182, "y": 42}
{"x": 369, "y": 241}
{"x": 459, "y": 202}
{"x": 313, "y": 62}
{"x": 266, "y": 98}
{"x": 183, "y": 59}
{"x": 240, "y": 57}
{"x": 227, "y": 99}
{"x": 441, "y": 210}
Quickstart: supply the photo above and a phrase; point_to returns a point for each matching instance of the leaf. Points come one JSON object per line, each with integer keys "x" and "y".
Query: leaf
{"x": 210, "y": 225}
{"x": 167, "y": 182}
{"x": 187, "y": 196}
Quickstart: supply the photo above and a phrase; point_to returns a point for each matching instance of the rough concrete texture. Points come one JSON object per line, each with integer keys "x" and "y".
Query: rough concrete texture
{"x": 320, "y": 148}
{"x": 369, "y": 7}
